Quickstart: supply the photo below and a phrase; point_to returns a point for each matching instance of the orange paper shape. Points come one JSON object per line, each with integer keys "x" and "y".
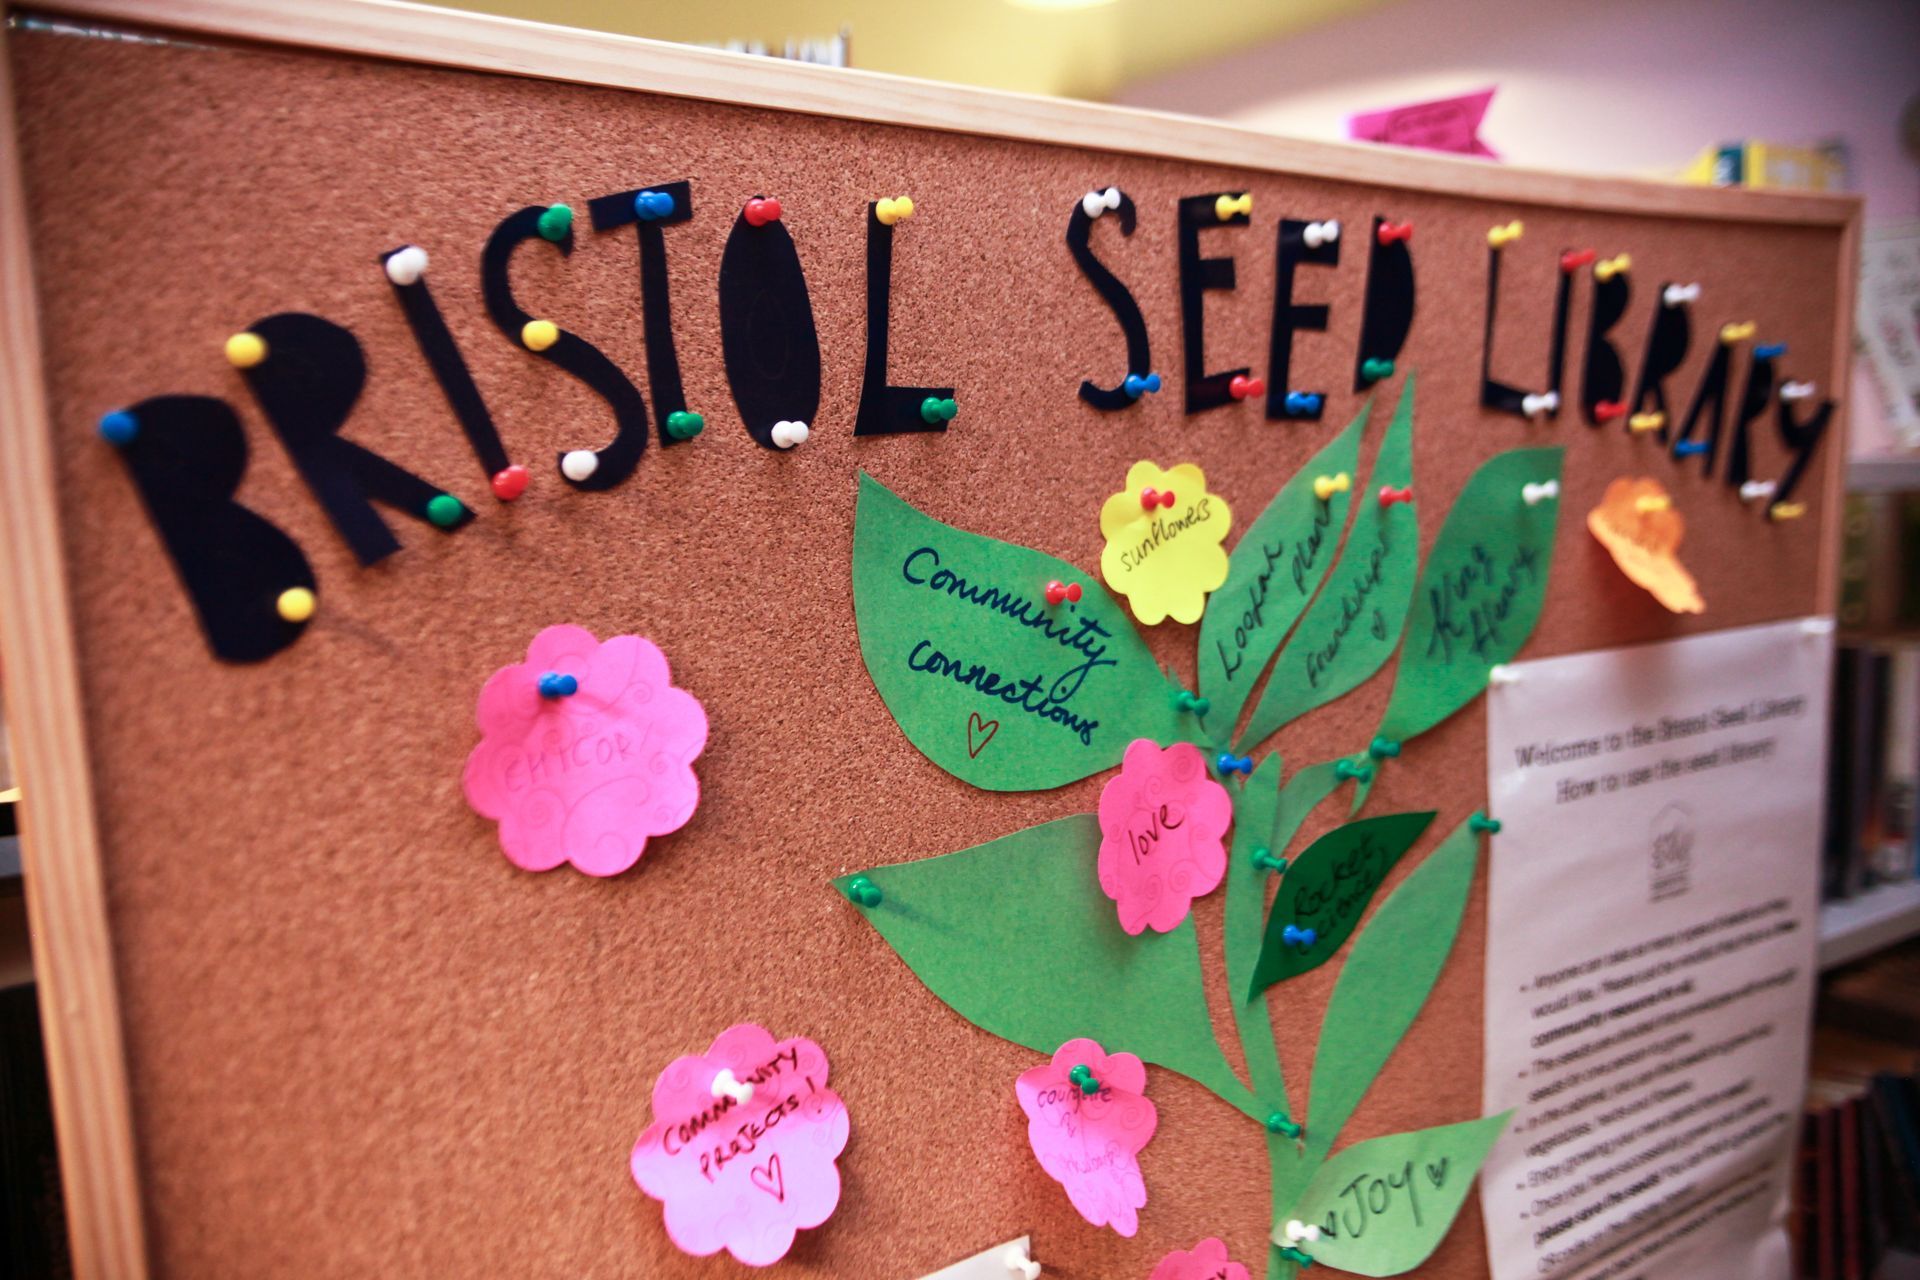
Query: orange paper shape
{"x": 1638, "y": 526}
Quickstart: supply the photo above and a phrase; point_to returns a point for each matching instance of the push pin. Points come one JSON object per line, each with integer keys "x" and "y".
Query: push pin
{"x": 1373, "y": 369}
{"x": 761, "y": 210}
{"x": 863, "y": 892}
{"x": 1641, "y": 423}
{"x": 785, "y": 435}
{"x": 1383, "y": 748}
{"x": 1290, "y": 1254}
{"x": 652, "y": 206}
{"x": 1501, "y": 237}
{"x": 1770, "y": 351}
{"x": 727, "y": 1085}
{"x": 556, "y": 222}
{"x": 538, "y": 335}
{"x": 1732, "y": 333}
{"x": 1303, "y": 402}
{"x": 1151, "y": 498}
{"x": 444, "y": 510}
{"x": 1689, "y": 448}
{"x": 1608, "y": 268}
{"x": 1541, "y": 405}
{"x": 684, "y": 424}
{"x": 1095, "y": 203}
{"x": 1753, "y": 490}
{"x": 1675, "y": 295}
{"x": 1316, "y": 234}
{"x": 1648, "y": 503}
{"x": 1324, "y": 487}
{"x": 1184, "y": 701}
{"x": 553, "y": 684}
{"x": 1797, "y": 391}
{"x": 893, "y": 209}
{"x": 509, "y": 482}
{"x": 1392, "y": 231}
{"x": 1390, "y": 495}
{"x": 1060, "y": 592}
{"x": 1277, "y": 1122}
{"x": 1301, "y": 1233}
{"x": 245, "y": 350}
{"x": 1608, "y": 410}
{"x": 1294, "y": 936}
{"x": 1138, "y": 385}
{"x": 1227, "y": 762}
{"x": 1019, "y": 1263}
{"x": 1787, "y": 510}
{"x": 1263, "y": 858}
{"x": 295, "y": 604}
{"x": 1534, "y": 494}
{"x": 1480, "y": 823}
{"x": 1082, "y": 1075}
{"x": 935, "y": 410}
{"x": 578, "y": 465}
{"x": 1574, "y": 259}
{"x": 119, "y": 428}
{"x": 1241, "y": 387}
{"x": 1224, "y": 207}
{"x": 1352, "y": 771}
{"x": 405, "y": 266}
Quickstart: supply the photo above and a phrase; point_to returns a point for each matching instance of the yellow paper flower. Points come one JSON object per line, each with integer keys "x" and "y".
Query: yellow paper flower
{"x": 1638, "y": 526}
{"x": 1163, "y": 534}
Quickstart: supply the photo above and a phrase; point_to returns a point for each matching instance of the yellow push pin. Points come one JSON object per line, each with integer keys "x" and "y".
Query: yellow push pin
{"x": 1225, "y": 207}
{"x": 295, "y": 604}
{"x": 1641, "y": 423}
{"x": 538, "y": 335}
{"x": 891, "y": 209}
{"x": 1648, "y": 503}
{"x": 1732, "y": 333}
{"x": 1324, "y": 487}
{"x": 1501, "y": 237}
{"x": 1787, "y": 510}
{"x": 1608, "y": 268}
{"x": 245, "y": 350}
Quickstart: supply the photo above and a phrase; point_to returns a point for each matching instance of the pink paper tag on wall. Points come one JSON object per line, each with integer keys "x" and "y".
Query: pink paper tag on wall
{"x": 1445, "y": 124}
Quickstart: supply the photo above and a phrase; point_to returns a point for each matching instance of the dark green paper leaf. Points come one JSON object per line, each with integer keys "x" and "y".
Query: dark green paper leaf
{"x": 1384, "y": 1205}
{"x": 992, "y": 683}
{"x": 1016, "y": 936}
{"x": 1353, "y": 625}
{"x": 1271, "y": 574}
{"x": 1327, "y": 889}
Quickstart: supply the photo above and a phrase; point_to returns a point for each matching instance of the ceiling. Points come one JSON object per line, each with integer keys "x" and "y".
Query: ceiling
{"x": 1064, "y": 47}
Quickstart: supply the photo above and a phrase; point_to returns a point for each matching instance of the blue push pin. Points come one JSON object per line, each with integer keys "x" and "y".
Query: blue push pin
{"x": 1299, "y": 402}
{"x": 1294, "y": 936}
{"x": 651, "y": 206}
{"x": 1136, "y": 386}
{"x": 119, "y": 428}
{"x": 1229, "y": 763}
{"x": 555, "y": 685}
{"x": 1688, "y": 448}
{"x": 1771, "y": 351}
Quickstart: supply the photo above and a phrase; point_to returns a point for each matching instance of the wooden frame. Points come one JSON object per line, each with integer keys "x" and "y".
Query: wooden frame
{"x": 66, "y": 896}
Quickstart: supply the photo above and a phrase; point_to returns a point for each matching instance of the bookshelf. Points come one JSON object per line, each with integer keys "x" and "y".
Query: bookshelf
{"x": 1857, "y": 927}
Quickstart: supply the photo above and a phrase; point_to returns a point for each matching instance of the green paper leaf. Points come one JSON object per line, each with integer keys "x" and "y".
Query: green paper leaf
{"x": 1271, "y": 574}
{"x": 1384, "y": 1205}
{"x": 992, "y": 683}
{"x": 1327, "y": 889}
{"x": 1016, "y": 936}
{"x": 1479, "y": 594}
{"x": 1385, "y": 981}
{"x": 1353, "y": 625}
{"x": 1254, "y": 810}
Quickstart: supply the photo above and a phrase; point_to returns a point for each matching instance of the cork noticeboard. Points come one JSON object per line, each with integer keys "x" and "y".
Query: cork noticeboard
{"x": 304, "y": 1019}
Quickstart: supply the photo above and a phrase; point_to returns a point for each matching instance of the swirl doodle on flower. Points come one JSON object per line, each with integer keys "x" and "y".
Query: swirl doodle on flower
{"x": 742, "y": 1149}
{"x": 1164, "y": 533}
{"x": 1162, "y": 823}
{"x": 586, "y": 750}
{"x": 1087, "y": 1121}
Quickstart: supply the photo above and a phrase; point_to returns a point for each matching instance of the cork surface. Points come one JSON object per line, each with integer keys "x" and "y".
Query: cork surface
{"x": 360, "y": 1041}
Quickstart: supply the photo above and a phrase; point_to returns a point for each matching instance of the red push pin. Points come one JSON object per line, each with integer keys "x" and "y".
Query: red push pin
{"x": 1390, "y": 495}
{"x": 761, "y": 210}
{"x": 1574, "y": 259}
{"x": 1391, "y": 231}
{"x": 509, "y": 482}
{"x": 1245, "y": 388}
{"x": 1151, "y": 498}
{"x": 1608, "y": 410}
{"x": 1058, "y": 592}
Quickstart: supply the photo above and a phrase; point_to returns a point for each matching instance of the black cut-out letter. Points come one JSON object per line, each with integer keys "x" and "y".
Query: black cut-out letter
{"x": 771, "y": 348}
{"x": 1119, "y": 300}
{"x": 1667, "y": 344}
{"x": 884, "y": 409}
{"x": 1388, "y": 315}
{"x": 615, "y": 460}
{"x": 450, "y": 369}
{"x": 1753, "y": 404}
{"x": 1198, "y": 275}
{"x": 1497, "y": 395}
{"x": 307, "y": 387}
{"x": 1605, "y": 377}
{"x": 186, "y": 458}
{"x": 611, "y": 212}
{"x": 1710, "y": 404}
{"x": 1289, "y": 318}
{"x": 1803, "y": 438}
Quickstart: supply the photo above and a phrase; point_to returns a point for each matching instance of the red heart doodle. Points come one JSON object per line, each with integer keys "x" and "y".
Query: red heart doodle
{"x": 769, "y": 1179}
{"x": 985, "y": 728}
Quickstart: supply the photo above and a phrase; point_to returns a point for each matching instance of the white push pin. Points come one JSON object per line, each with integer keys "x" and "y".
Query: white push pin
{"x": 1535, "y": 494}
{"x": 1299, "y": 1232}
{"x": 1816, "y": 626}
{"x": 579, "y": 464}
{"x": 1754, "y": 490}
{"x": 1019, "y": 1263}
{"x": 1541, "y": 405}
{"x": 406, "y": 266}
{"x": 788, "y": 434}
{"x": 1797, "y": 390}
{"x": 1095, "y": 203}
{"x": 725, "y": 1085}
{"x": 1319, "y": 233}
{"x": 1503, "y": 674}
{"x": 1675, "y": 294}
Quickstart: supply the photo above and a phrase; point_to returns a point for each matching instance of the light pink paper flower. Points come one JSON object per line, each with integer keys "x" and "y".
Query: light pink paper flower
{"x": 587, "y": 777}
{"x": 1161, "y": 823}
{"x": 744, "y": 1177}
{"x": 1089, "y": 1142}
{"x": 1205, "y": 1261}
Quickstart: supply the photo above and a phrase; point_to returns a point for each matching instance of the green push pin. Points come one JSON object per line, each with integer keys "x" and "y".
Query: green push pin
{"x": 445, "y": 510}
{"x": 1294, "y": 1256}
{"x": 934, "y": 410}
{"x": 1481, "y": 822}
{"x": 1082, "y": 1075}
{"x": 1352, "y": 770}
{"x": 863, "y": 891}
{"x": 556, "y": 220}
{"x": 1373, "y": 369}
{"x": 684, "y": 425}
{"x": 1383, "y": 748}
{"x": 1184, "y": 701}
{"x": 1278, "y": 1123}
{"x": 1263, "y": 858}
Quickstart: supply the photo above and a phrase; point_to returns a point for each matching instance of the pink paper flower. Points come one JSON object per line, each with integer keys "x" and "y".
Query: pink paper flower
{"x": 744, "y": 1177}
{"x": 1205, "y": 1261}
{"x": 1161, "y": 823}
{"x": 585, "y": 777}
{"x": 1089, "y": 1142}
